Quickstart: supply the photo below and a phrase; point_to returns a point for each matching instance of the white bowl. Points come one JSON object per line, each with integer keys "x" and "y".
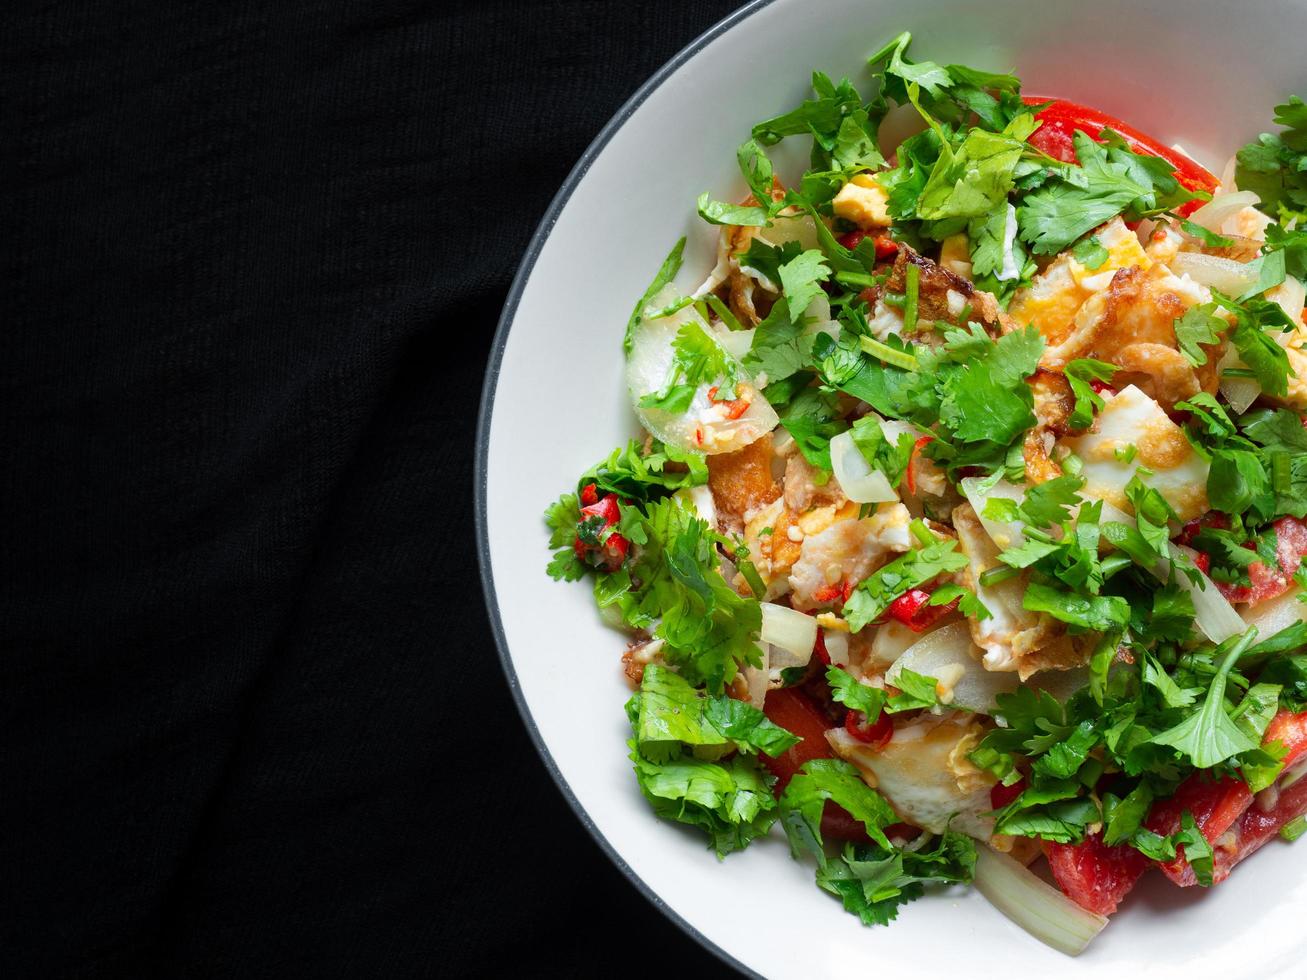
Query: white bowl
{"x": 1205, "y": 75}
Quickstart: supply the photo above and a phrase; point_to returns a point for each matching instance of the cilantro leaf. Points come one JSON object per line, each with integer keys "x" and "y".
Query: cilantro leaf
{"x": 1090, "y": 253}
{"x": 874, "y": 593}
{"x": 890, "y": 458}
{"x": 709, "y": 629}
{"x": 874, "y": 882}
{"x": 634, "y": 474}
{"x": 666, "y": 273}
{"x": 723, "y": 213}
{"x": 1079, "y": 373}
{"x": 1197, "y": 851}
{"x": 813, "y": 419}
{"x": 730, "y": 801}
{"x": 1047, "y": 504}
{"x": 780, "y": 346}
{"x": 834, "y": 780}
{"x": 1275, "y": 167}
{"x": 917, "y": 691}
{"x": 1057, "y": 214}
{"x": 1198, "y": 327}
{"x": 1208, "y": 736}
{"x": 1090, "y": 612}
{"x": 853, "y": 694}
{"x": 697, "y": 359}
{"x": 801, "y": 278}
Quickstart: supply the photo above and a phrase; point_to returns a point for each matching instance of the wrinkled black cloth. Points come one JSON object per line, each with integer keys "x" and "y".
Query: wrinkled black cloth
{"x": 252, "y": 720}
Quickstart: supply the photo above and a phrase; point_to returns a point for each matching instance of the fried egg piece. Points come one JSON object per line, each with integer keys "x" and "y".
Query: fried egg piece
{"x": 1132, "y": 419}
{"x": 925, "y": 775}
{"x": 1056, "y": 294}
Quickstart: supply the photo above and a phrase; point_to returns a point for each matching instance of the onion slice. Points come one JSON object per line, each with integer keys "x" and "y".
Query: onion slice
{"x": 1240, "y": 393}
{"x": 942, "y": 654}
{"x": 1006, "y": 534}
{"x": 856, "y": 478}
{"x": 703, "y": 427}
{"x": 1291, "y": 295}
{"x": 790, "y": 630}
{"x": 1230, "y": 277}
{"x": 1034, "y": 904}
{"x": 1274, "y": 615}
{"x": 837, "y": 646}
{"x": 1213, "y": 613}
{"x": 1212, "y": 215}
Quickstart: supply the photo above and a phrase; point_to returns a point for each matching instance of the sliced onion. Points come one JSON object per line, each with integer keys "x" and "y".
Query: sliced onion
{"x": 1291, "y": 296}
{"x": 796, "y": 227}
{"x": 1213, "y": 613}
{"x": 790, "y": 630}
{"x": 758, "y": 679}
{"x": 1277, "y": 614}
{"x": 1006, "y": 534}
{"x": 736, "y": 342}
{"x": 1213, "y": 214}
{"x": 698, "y": 428}
{"x": 1061, "y": 684}
{"x": 701, "y": 499}
{"x": 856, "y": 478}
{"x": 940, "y": 655}
{"x": 1239, "y": 393}
{"x": 892, "y": 639}
{"x": 1034, "y": 904}
{"x": 1230, "y": 277}
{"x": 837, "y": 646}
{"x": 818, "y": 311}
{"x": 1292, "y": 775}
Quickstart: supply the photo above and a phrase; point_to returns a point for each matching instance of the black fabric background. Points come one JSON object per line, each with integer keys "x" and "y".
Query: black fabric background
{"x": 252, "y": 722}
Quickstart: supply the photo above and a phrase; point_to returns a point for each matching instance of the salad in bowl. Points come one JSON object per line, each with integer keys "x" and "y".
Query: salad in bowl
{"x": 963, "y": 537}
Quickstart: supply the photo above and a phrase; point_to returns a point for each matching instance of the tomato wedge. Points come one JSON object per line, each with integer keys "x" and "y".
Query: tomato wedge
{"x": 1062, "y": 119}
{"x": 1218, "y": 806}
{"x": 794, "y": 710}
{"x": 1215, "y": 805}
{"x": 1094, "y": 876}
{"x": 1256, "y": 827}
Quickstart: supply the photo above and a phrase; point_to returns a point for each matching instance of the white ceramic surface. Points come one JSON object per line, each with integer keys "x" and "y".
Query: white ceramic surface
{"x": 1204, "y": 74}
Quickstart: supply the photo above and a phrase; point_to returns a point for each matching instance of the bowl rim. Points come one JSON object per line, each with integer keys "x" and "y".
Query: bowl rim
{"x": 481, "y": 466}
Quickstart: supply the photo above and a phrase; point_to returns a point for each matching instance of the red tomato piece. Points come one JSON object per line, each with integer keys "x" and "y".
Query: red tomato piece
{"x": 798, "y": 713}
{"x": 1266, "y": 582}
{"x": 1094, "y": 876}
{"x": 886, "y": 247}
{"x": 1217, "y": 806}
{"x": 1256, "y": 827}
{"x": 610, "y": 550}
{"x": 1102, "y": 387}
{"x": 1061, "y": 120}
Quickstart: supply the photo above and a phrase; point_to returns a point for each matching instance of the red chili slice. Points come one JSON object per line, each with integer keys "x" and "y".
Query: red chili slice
{"x": 877, "y": 734}
{"x": 914, "y": 611}
{"x": 612, "y": 549}
{"x": 1062, "y": 119}
{"x": 911, "y": 473}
